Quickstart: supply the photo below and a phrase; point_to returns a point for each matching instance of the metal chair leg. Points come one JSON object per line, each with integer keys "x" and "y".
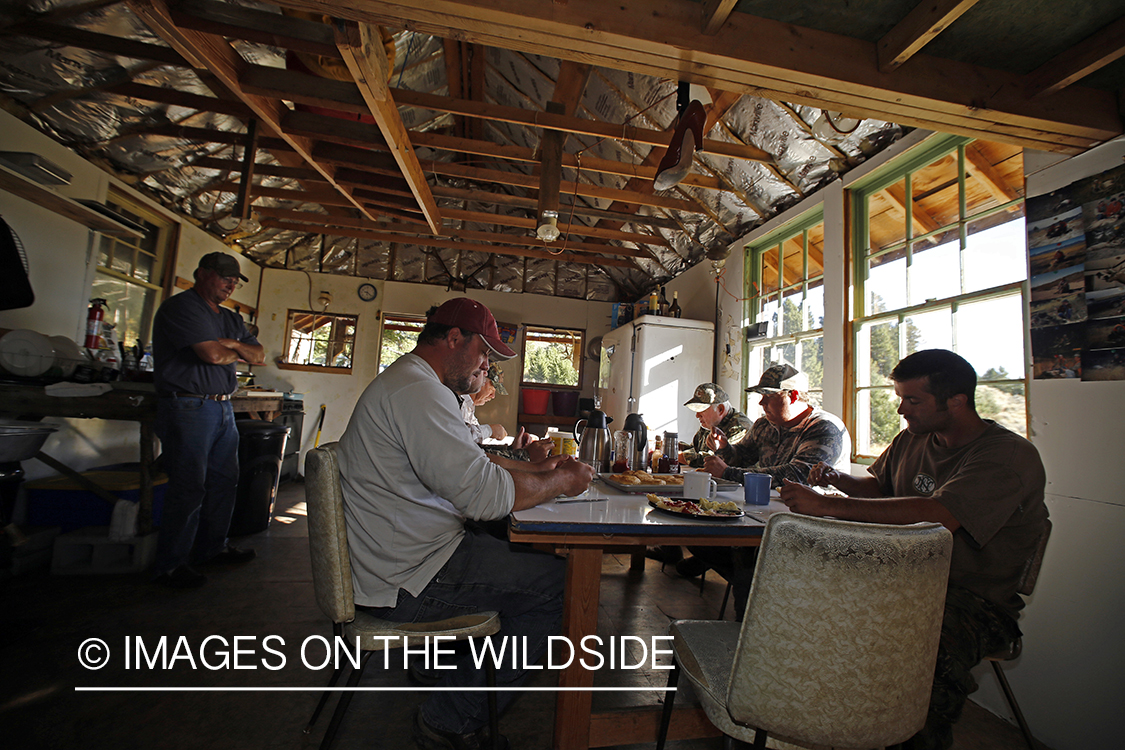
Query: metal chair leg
{"x": 760, "y": 739}
{"x": 342, "y": 705}
{"x": 1013, "y": 705}
{"x": 337, "y": 630}
{"x": 493, "y": 714}
{"x": 669, "y": 701}
{"x": 726, "y": 598}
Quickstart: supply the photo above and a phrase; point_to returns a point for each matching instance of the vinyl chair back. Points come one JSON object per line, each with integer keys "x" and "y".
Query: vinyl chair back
{"x": 839, "y": 639}
{"x": 332, "y": 582}
{"x": 1028, "y": 579}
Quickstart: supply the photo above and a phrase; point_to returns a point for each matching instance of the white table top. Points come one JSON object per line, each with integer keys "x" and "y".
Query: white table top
{"x": 605, "y": 510}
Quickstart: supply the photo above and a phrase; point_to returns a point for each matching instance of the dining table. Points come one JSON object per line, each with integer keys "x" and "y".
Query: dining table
{"x": 581, "y": 528}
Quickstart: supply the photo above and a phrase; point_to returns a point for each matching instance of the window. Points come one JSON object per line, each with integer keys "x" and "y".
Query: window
{"x": 940, "y": 261}
{"x": 130, "y": 271}
{"x": 785, "y": 283}
{"x": 553, "y": 356}
{"x": 319, "y": 342}
{"x": 400, "y": 335}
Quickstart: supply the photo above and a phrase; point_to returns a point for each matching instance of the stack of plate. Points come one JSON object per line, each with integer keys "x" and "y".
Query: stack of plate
{"x": 29, "y": 354}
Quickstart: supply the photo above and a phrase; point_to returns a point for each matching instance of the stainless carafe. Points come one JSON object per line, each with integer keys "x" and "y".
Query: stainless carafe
{"x": 594, "y": 440}
{"x": 635, "y": 423}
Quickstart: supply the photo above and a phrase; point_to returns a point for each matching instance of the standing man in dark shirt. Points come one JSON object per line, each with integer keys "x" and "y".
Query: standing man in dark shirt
{"x": 195, "y": 346}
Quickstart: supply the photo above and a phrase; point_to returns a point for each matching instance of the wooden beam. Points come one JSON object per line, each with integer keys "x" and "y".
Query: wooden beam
{"x": 978, "y": 165}
{"x": 262, "y": 27}
{"x": 550, "y": 171}
{"x": 427, "y": 241}
{"x": 714, "y": 14}
{"x": 580, "y": 230}
{"x": 569, "y": 86}
{"x": 928, "y": 19}
{"x": 215, "y": 54}
{"x": 104, "y": 43}
{"x": 1079, "y": 61}
{"x": 504, "y": 199}
{"x": 528, "y": 181}
{"x": 763, "y": 57}
{"x": 365, "y": 57}
{"x": 249, "y": 154}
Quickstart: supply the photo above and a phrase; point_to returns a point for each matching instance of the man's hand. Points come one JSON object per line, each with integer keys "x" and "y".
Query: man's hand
{"x": 540, "y": 450}
{"x": 498, "y": 431}
{"x": 823, "y": 475}
{"x": 716, "y": 439}
{"x": 575, "y": 474}
{"x": 715, "y": 466}
{"x": 802, "y": 499}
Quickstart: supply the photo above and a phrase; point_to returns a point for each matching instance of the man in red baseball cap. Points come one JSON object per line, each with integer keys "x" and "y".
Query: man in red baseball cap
{"x": 472, "y": 317}
{"x": 417, "y": 490}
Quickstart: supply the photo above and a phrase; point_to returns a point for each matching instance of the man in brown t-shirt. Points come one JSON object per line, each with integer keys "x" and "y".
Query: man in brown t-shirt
{"x": 982, "y": 482}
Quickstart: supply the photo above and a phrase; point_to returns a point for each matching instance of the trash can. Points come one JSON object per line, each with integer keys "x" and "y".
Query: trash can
{"x": 261, "y": 446}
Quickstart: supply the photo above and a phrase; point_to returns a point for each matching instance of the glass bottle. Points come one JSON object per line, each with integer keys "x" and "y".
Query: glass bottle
{"x": 653, "y": 303}
{"x": 654, "y": 456}
{"x": 662, "y": 303}
{"x": 674, "y": 311}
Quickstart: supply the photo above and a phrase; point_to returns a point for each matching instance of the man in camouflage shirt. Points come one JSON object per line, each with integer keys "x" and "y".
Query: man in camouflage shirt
{"x": 722, "y": 428}
{"x": 792, "y": 437}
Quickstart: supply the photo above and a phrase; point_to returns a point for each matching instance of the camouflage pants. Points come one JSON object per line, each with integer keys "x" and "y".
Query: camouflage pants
{"x": 971, "y": 629}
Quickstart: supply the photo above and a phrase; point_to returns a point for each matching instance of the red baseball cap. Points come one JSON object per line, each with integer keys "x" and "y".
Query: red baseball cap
{"x": 473, "y": 317}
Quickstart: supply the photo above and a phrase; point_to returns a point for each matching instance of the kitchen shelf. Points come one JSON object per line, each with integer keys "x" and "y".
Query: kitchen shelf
{"x": 548, "y": 419}
{"x": 17, "y": 184}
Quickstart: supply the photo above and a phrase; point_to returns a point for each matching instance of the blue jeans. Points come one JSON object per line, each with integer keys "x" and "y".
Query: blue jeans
{"x": 485, "y": 573}
{"x": 199, "y": 444}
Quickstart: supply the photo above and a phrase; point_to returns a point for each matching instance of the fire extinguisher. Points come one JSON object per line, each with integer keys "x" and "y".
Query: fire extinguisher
{"x": 94, "y": 323}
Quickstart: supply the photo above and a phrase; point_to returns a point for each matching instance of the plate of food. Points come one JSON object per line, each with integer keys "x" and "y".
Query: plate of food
{"x": 711, "y": 510}
{"x": 642, "y": 481}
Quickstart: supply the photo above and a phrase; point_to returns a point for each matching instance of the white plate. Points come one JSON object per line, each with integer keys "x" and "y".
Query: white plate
{"x": 26, "y": 353}
{"x": 68, "y": 355}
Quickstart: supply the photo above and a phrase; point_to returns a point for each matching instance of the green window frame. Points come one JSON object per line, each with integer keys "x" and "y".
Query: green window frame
{"x": 784, "y": 282}
{"x": 938, "y": 283}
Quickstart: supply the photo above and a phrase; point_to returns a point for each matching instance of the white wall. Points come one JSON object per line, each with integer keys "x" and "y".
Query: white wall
{"x": 1070, "y": 680}
{"x": 283, "y": 290}
{"x": 60, "y": 257}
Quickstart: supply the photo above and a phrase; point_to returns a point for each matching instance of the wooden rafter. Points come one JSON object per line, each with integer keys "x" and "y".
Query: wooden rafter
{"x": 978, "y": 165}
{"x": 764, "y": 57}
{"x": 928, "y": 19}
{"x": 1078, "y": 62}
{"x": 714, "y": 14}
{"x": 215, "y": 54}
{"x": 363, "y": 53}
{"x": 505, "y": 199}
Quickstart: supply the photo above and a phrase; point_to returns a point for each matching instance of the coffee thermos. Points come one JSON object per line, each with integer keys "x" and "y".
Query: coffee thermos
{"x": 635, "y": 424}
{"x": 594, "y": 441}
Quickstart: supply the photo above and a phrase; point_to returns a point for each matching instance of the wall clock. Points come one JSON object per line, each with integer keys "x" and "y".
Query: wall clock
{"x": 367, "y": 292}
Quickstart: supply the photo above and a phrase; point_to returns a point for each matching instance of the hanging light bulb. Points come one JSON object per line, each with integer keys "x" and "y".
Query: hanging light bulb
{"x": 548, "y": 229}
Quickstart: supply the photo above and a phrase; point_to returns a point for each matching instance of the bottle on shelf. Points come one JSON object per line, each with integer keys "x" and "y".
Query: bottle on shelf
{"x": 653, "y": 303}
{"x": 662, "y": 303}
{"x": 674, "y": 311}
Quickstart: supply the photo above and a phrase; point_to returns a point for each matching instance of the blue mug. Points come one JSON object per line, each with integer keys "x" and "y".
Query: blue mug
{"x": 757, "y": 488}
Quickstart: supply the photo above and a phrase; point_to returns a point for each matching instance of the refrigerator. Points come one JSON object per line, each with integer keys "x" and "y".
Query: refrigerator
{"x": 651, "y": 366}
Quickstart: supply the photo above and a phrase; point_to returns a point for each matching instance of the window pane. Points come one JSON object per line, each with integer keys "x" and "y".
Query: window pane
{"x": 935, "y": 272}
{"x": 816, "y": 250}
{"x": 935, "y": 194}
{"x": 123, "y": 259}
{"x": 144, "y": 267}
{"x": 878, "y": 352}
{"x": 878, "y": 421}
{"x": 320, "y": 339}
{"x": 812, "y": 362}
{"x": 1004, "y": 403}
{"x": 769, "y": 271}
{"x": 791, "y": 321}
{"x": 886, "y": 282}
{"x": 769, "y": 314}
{"x": 131, "y": 307}
{"x": 400, "y": 335}
{"x": 794, "y": 257}
{"x": 105, "y": 248}
{"x": 814, "y": 305}
{"x": 995, "y": 254}
{"x": 886, "y": 214}
{"x": 552, "y": 356}
{"x": 929, "y": 330}
{"x": 990, "y": 336}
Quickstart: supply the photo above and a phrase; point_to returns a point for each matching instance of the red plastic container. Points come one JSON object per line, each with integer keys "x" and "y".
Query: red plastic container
{"x": 535, "y": 400}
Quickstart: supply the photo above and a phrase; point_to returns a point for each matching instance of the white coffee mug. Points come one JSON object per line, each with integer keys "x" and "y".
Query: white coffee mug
{"x": 699, "y": 484}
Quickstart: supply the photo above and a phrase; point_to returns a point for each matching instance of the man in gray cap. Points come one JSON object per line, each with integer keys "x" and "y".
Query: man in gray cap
{"x": 722, "y": 428}
{"x": 789, "y": 439}
{"x": 195, "y": 345}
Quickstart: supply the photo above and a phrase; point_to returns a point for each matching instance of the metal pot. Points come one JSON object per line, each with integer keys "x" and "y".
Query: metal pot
{"x": 594, "y": 440}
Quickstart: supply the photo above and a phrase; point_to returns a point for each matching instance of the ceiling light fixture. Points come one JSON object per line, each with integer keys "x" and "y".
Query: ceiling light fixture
{"x": 548, "y": 229}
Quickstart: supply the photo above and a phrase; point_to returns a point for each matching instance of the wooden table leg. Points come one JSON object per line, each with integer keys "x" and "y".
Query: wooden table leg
{"x": 580, "y": 618}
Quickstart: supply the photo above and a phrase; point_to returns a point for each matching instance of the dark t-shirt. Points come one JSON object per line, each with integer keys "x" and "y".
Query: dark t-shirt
{"x": 187, "y": 319}
{"x": 993, "y": 486}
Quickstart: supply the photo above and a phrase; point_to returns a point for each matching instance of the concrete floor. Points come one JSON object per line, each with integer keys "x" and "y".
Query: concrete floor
{"x": 45, "y": 619}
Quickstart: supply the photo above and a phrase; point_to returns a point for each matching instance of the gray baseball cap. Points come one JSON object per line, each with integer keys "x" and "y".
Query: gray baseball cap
{"x": 707, "y": 395}
{"x": 783, "y": 377}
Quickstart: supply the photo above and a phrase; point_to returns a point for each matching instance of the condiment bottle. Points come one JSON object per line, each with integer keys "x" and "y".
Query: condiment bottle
{"x": 653, "y": 303}
{"x": 675, "y": 311}
{"x": 654, "y": 456}
{"x": 662, "y": 303}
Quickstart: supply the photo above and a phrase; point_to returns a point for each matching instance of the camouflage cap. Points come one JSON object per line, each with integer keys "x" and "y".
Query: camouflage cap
{"x": 496, "y": 375}
{"x": 783, "y": 377}
{"x": 706, "y": 396}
